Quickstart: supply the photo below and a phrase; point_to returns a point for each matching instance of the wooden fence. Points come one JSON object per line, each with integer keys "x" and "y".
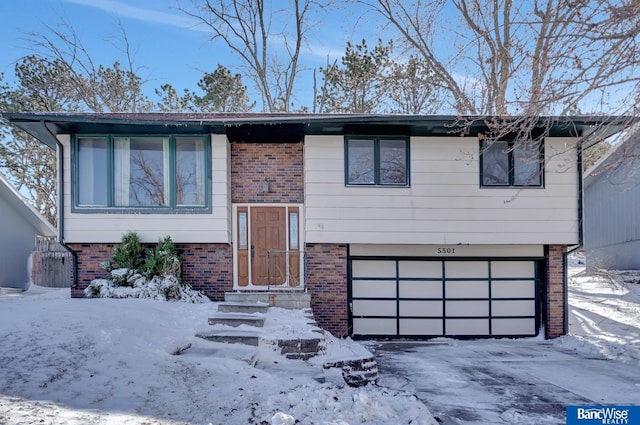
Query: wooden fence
{"x": 52, "y": 264}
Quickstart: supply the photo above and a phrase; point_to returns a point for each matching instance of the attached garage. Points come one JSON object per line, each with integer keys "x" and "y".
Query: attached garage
{"x": 407, "y": 296}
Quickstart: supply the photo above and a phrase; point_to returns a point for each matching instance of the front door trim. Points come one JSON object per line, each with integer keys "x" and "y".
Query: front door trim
{"x": 242, "y": 247}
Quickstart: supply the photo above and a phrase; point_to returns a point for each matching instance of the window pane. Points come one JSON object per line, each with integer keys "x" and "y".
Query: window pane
{"x": 526, "y": 164}
{"x": 242, "y": 230}
{"x": 92, "y": 172}
{"x": 393, "y": 162}
{"x": 190, "y": 175}
{"x": 361, "y": 162}
{"x": 141, "y": 171}
{"x": 495, "y": 163}
{"x": 293, "y": 230}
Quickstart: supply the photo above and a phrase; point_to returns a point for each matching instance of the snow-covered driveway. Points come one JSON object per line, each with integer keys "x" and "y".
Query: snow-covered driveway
{"x": 504, "y": 381}
{"x": 530, "y": 381}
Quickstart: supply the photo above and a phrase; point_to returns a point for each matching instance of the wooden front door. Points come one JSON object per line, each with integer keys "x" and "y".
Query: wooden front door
{"x": 268, "y": 245}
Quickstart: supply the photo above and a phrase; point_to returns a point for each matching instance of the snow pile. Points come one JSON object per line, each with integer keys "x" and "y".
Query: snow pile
{"x": 165, "y": 288}
{"x": 604, "y": 312}
{"x": 131, "y": 361}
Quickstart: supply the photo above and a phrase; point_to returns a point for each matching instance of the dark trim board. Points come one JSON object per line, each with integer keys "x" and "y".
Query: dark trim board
{"x": 448, "y": 314}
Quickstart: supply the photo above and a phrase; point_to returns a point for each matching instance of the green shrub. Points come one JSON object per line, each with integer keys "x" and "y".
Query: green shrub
{"x": 129, "y": 254}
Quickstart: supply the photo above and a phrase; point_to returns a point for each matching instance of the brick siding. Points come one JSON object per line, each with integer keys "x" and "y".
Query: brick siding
{"x": 327, "y": 284}
{"x": 280, "y": 164}
{"x": 207, "y": 267}
{"x": 555, "y": 325}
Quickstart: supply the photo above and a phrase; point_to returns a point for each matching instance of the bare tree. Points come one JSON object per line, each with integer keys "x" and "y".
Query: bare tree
{"x": 523, "y": 58}
{"x": 267, "y": 40}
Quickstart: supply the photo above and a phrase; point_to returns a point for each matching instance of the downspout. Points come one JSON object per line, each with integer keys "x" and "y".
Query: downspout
{"x": 580, "y": 238}
{"x": 61, "y": 241}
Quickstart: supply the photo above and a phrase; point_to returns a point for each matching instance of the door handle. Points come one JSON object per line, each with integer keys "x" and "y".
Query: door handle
{"x": 252, "y": 251}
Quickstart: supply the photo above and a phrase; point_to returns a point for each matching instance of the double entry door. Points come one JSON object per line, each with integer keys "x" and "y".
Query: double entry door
{"x": 267, "y": 247}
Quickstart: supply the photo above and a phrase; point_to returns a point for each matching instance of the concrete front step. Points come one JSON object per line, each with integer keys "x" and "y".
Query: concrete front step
{"x": 236, "y": 307}
{"x": 290, "y": 300}
{"x": 237, "y": 319}
{"x": 231, "y": 337}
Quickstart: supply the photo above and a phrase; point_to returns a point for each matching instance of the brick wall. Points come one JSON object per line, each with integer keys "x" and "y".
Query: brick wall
{"x": 555, "y": 292}
{"x": 207, "y": 267}
{"x": 327, "y": 284}
{"x": 280, "y": 164}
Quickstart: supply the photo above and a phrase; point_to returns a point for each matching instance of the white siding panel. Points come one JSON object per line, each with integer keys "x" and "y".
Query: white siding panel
{"x": 214, "y": 227}
{"x": 444, "y": 203}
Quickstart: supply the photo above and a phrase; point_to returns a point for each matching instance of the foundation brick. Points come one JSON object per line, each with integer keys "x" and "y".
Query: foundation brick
{"x": 327, "y": 284}
{"x": 555, "y": 325}
{"x": 207, "y": 267}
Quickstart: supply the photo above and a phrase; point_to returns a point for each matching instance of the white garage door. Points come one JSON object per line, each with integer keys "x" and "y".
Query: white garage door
{"x": 406, "y": 297}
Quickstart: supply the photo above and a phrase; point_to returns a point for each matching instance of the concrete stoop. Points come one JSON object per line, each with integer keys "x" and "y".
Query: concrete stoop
{"x": 289, "y": 300}
{"x": 238, "y": 321}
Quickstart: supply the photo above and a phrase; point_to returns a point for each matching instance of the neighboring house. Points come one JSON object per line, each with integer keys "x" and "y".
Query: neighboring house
{"x": 19, "y": 225}
{"x": 396, "y": 225}
{"x": 612, "y": 209}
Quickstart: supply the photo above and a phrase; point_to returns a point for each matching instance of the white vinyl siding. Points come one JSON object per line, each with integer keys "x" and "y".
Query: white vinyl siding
{"x": 214, "y": 227}
{"x": 445, "y": 203}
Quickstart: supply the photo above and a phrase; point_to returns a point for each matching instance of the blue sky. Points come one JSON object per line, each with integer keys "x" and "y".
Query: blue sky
{"x": 169, "y": 46}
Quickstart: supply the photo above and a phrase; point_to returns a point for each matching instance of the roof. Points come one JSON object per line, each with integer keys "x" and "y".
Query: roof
{"x": 18, "y": 203}
{"x": 626, "y": 150}
{"x": 288, "y": 126}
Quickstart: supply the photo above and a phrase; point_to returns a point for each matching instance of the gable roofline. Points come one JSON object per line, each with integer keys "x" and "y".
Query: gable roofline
{"x": 613, "y": 158}
{"x": 20, "y": 204}
{"x": 285, "y": 126}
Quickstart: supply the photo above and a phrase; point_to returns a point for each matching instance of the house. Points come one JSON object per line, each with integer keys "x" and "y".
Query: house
{"x": 397, "y": 226}
{"x": 19, "y": 227}
{"x": 612, "y": 209}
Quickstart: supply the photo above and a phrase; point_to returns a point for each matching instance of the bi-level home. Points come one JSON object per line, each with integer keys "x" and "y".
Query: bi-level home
{"x": 397, "y": 226}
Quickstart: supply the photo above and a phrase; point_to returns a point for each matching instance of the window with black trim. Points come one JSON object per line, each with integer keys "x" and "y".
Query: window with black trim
{"x": 377, "y": 161}
{"x": 506, "y": 163}
{"x": 142, "y": 172}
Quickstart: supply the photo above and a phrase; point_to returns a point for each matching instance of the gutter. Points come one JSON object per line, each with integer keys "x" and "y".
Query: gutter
{"x": 74, "y": 255}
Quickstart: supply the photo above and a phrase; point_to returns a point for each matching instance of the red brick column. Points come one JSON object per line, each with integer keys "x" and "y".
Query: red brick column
{"x": 207, "y": 267}
{"x": 327, "y": 283}
{"x": 555, "y": 292}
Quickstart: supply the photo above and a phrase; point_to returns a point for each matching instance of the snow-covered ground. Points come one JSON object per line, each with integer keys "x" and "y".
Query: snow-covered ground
{"x": 102, "y": 361}
{"x": 108, "y": 361}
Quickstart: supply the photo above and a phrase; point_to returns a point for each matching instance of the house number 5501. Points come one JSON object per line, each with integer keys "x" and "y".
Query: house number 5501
{"x": 446, "y": 250}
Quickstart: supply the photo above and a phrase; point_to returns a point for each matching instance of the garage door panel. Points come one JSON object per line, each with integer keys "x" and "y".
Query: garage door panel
{"x": 361, "y": 268}
{"x": 421, "y": 327}
{"x": 374, "y": 308}
{"x": 373, "y": 288}
{"x": 466, "y": 308}
{"x": 421, "y": 308}
{"x": 466, "y": 269}
{"x": 467, "y": 289}
{"x": 513, "y": 326}
{"x": 420, "y": 269}
{"x": 375, "y": 326}
{"x": 513, "y": 289}
{"x": 513, "y": 308}
{"x": 513, "y": 269}
{"x": 420, "y": 289}
{"x": 444, "y": 297}
{"x": 467, "y": 326}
